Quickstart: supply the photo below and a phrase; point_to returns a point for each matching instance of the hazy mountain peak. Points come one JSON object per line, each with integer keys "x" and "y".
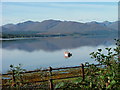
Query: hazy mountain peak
{"x": 29, "y": 21}
{"x": 9, "y": 24}
{"x": 94, "y": 22}
{"x": 107, "y": 22}
{"x": 51, "y": 20}
{"x": 57, "y": 26}
{"x": 26, "y": 22}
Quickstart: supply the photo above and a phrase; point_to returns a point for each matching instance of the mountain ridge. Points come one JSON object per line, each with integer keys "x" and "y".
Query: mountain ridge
{"x": 57, "y": 26}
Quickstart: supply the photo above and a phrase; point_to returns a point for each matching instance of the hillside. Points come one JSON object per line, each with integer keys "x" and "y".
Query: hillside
{"x": 56, "y": 26}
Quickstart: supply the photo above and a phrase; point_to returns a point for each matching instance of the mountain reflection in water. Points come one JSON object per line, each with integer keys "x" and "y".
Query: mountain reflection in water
{"x": 54, "y": 44}
{"x": 45, "y": 52}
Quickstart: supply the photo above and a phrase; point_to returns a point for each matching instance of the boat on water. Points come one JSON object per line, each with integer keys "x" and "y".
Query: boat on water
{"x": 67, "y": 54}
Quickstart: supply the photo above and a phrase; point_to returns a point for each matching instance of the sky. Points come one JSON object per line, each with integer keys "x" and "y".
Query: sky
{"x": 59, "y": 0}
{"x": 16, "y": 12}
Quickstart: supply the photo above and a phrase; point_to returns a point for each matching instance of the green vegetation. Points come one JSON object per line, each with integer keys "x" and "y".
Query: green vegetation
{"x": 103, "y": 77}
{"x": 39, "y": 34}
{"x": 30, "y": 35}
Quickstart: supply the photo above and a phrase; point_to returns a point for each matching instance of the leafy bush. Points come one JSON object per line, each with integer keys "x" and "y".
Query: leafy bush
{"x": 105, "y": 76}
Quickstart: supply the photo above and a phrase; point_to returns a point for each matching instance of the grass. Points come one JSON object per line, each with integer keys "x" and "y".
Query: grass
{"x": 44, "y": 76}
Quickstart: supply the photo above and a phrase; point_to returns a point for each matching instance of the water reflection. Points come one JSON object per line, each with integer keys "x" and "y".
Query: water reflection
{"x": 37, "y": 59}
{"x": 54, "y": 44}
{"x": 45, "y": 52}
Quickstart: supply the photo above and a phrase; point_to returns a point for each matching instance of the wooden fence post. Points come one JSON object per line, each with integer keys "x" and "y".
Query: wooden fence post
{"x": 13, "y": 79}
{"x": 83, "y": 73}
{"x": 50, "y": 80}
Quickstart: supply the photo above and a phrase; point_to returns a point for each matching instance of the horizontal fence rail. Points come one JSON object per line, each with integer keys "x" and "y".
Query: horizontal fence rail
{"x": 50, "y": 71}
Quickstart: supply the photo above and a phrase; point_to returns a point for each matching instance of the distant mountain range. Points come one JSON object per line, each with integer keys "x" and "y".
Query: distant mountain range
{"x": 56, "y": 26}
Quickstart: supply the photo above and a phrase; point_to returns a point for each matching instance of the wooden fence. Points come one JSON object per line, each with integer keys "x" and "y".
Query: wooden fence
{"x": 50, "y": 70}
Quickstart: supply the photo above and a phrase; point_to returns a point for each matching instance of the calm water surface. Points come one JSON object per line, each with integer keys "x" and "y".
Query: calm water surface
{"x": 45, "y": 52}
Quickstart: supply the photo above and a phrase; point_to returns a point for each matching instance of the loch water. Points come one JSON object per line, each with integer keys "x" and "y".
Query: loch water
{"x": 35, "y": 53}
